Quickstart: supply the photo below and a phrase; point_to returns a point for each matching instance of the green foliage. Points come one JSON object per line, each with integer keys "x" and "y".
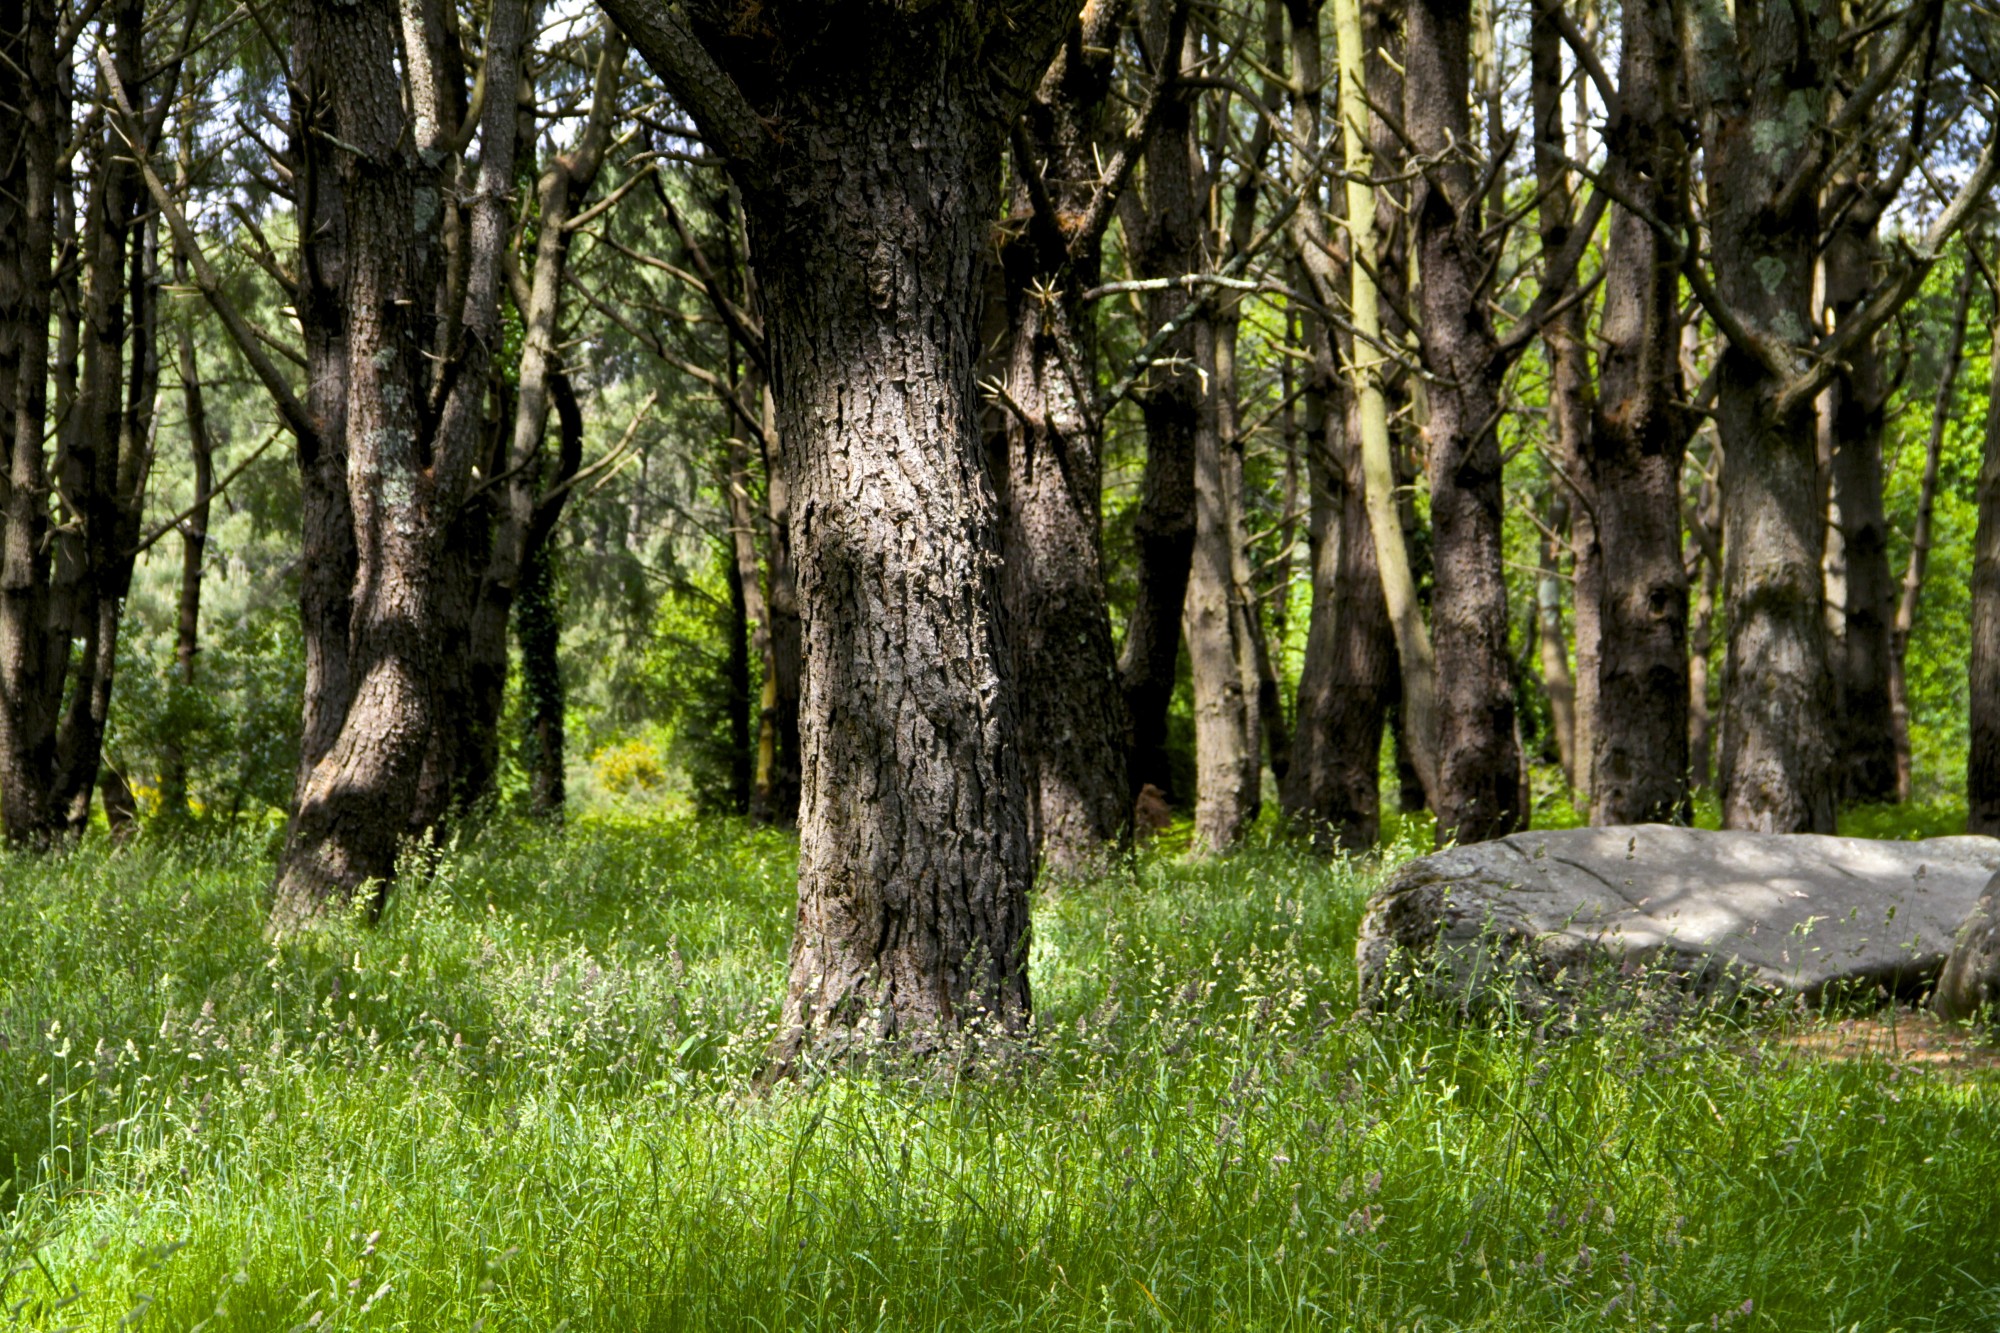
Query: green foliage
{"x": 525, "y": 1102}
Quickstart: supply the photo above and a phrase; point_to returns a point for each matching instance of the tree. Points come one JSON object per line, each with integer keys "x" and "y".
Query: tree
{"x": 1048, "y": 453}
{"x": 865, "y": 139}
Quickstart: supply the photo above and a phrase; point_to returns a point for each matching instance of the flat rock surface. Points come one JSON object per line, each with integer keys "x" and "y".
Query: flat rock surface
{"x": 1772, "y": 913}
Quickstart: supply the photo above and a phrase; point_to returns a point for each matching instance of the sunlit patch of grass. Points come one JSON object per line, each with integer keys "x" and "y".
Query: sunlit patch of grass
{"x": 525, "y": 1101}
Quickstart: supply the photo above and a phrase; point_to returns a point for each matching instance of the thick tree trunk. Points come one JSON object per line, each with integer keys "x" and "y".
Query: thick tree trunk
{"x": 914, "y": 850}
{"x": 1479, "y": 760}
{"x": 407, "y": 467}
{"x": 1072, "y": 715}
{"x": 1907, "y": 599}
{"x": 869, "y": 219}
{"x": 1637, "y": 438}
{"x": 1982, "y": 761}
{"x": 1749, "y": 72}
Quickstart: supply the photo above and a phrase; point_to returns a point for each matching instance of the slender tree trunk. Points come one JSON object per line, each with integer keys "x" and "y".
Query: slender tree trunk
{"x": 174, "y": 800}
{"x": 1912, "y": 589}
{"x": 1052, "y": 583}
{"x": 1751, "y": 70}
{"x": 507, "y": 526}
{"x": 1348, "y": 677}
{"x": 779, "y": 757}
{"x": 1572, "y": 697}
{"x": 1164, "y": 231}
{"x": 31, "y": 125}
{"x": 1479, "y": 761}
{"x": 1635, "y": 444}
{"x": 1982, "y": 762}
{"x": 1706, "y": 548}
{"x": 1552, "y": 645}
{"x": 1853, "y": 414}
{"x": 1225, "y": 724}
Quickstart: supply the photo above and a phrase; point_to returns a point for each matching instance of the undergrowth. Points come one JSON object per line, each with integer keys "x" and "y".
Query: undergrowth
{"x": 525, "y": 1102}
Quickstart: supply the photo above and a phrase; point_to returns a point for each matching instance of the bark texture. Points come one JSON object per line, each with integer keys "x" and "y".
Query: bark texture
{"x": 1049, "y": 473}
{"x": 869, "y": 215}
{"x": 1332, "y": 787}
{"x": 1637, "y": 438}
{"x": 1757, "y": 82}
{"x": 1479, "y": 760}
{"x": 413, "y": 324}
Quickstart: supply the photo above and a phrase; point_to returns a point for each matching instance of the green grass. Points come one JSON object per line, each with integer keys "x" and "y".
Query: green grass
{"x": 524, "y": 1102}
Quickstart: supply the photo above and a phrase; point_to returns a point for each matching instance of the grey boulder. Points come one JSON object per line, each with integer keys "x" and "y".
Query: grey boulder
{"x": 1533, "y": 917}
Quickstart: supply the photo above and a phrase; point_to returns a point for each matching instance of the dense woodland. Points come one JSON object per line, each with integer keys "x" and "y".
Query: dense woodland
{"x": 977, "y": 433}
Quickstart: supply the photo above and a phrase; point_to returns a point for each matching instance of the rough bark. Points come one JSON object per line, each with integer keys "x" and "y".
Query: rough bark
{"x": 1757, "y": 80}
{"x": 30, "y": 129}
{"x": 1910, "y": 594}
{"x": 869, "y": 217}
{"x": 1479, "y": 762}
{"x": 1072, "y": 715}
{"x": 1636, "y": 440}
{"x": 411, "y": 431}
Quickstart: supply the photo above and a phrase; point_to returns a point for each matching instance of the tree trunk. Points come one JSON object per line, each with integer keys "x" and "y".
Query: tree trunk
{"x": 1636, "y": 441}
{"x": 1348, "y": 676}
{"x": 538, "y": 632}
{"x": 30, "y": 128}
{"x": 1853, "y": 415}
{"x": 778, "y": 754}
{"x": 1982, "y": 761}
{"x": 1332, "y": 787}
{"x": 1072, "y": 716}
{"x": 194, "y": 529}
{"x": 869, "y": 219}
{"x": 1706, "y": 542}
{"x": 1552, "y": 645}
{"x": 1479, "y": 760}
{"x": 1751, "y": 72}
{"x": 1572, "y": 697}
{"x": 410, "y": 441}
{"x": 1920, "y": 537}
{"x": 1164, "y": 233}
{"x": 1225, "y": 723}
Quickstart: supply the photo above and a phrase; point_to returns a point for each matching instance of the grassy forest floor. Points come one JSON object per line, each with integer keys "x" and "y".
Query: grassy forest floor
{"x": 526, "y": 1101}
